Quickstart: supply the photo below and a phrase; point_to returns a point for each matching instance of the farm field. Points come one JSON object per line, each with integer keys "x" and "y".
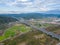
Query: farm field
{"x": 55, "y": 29}
{"x": 15, "y": 30}
{"x": 43, "y": 25}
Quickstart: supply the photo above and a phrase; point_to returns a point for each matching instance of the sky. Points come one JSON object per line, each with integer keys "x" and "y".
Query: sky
{"x": 20, "y": 6}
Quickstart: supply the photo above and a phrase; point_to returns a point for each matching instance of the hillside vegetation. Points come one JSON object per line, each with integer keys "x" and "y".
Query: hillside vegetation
{"x": 55, "y": 29}
{"x": 6, "y": 19}
{"x": 33, "y": 37}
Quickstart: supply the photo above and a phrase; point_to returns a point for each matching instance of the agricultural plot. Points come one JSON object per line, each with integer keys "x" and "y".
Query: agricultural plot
{"x": 15, "y": 30}
{"x": 55, "y": 29}
{"x": 45, "y": 25}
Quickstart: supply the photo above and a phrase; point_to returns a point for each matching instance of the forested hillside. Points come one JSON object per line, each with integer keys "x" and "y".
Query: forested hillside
{"x": 5, "y": 19}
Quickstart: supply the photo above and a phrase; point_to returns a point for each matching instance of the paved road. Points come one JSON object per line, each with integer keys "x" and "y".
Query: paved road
{"x": 40, "y": 29}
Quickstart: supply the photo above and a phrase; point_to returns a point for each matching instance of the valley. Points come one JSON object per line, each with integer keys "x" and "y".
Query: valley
{"x": 32, "y": 31}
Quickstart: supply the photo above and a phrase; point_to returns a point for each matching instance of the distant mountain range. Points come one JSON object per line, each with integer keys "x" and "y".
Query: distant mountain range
{"x": 31, "y": 15}
{"x": 53, "y": 12}
{"x": 18, "y": 12}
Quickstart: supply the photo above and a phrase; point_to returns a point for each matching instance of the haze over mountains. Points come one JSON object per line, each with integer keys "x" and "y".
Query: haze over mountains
{"x": 53, "y": 12}
{"x": 18, "y": 12}
{"x": 31, "y": 15}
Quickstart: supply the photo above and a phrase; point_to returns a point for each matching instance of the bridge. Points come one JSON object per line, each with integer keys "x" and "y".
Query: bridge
{"x": 40, "y": 29}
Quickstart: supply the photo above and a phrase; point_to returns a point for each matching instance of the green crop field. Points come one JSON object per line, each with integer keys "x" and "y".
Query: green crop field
{"x": 43, "y": 25}
{"x": 14, "y": 30}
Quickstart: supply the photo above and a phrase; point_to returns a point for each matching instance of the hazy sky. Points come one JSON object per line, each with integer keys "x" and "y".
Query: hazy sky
{"x": 29, "y": 5}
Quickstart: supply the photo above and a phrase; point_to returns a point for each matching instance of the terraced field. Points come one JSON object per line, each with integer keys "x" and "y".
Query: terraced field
{"x": 15, "y": 30}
